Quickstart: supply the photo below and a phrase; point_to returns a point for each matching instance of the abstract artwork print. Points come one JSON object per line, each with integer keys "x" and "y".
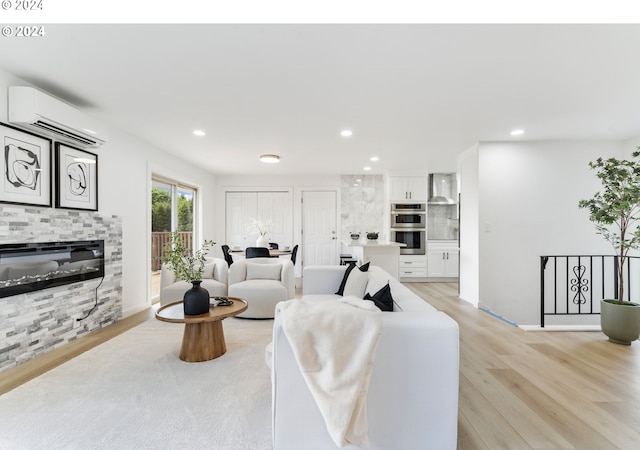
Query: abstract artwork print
{"x": 26, "y": 167}
{"x": 76, "y": 178}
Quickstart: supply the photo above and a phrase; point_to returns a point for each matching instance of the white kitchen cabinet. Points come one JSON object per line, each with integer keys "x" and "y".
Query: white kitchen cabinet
{"x": 412, "y": 266}
{"x": 403, "y": 189}
{"x": 442, "y": 259}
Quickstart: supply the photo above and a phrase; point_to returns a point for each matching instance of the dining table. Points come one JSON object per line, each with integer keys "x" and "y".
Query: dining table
{"x": 273, "y": 252}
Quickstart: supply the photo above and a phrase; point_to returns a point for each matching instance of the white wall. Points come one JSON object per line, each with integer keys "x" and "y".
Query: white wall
{"x": 630, "y": 145}
{"x": 125, "y": 164}
{"x": 469, "y": 228}
{"x": 528, "y": 196}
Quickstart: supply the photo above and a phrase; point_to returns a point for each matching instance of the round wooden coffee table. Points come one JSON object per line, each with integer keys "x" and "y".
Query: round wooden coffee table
{"x": 203, "y": 337}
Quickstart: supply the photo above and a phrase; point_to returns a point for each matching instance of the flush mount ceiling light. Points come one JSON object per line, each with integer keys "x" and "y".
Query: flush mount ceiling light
{"x": 517, "y": 132}
{"x": 374, "y": 159}
{"x": 269, "y": 159}
{"x": 366, "y": 168}
{"x": 346, "y": 133}
{"x": 199, "y": 132}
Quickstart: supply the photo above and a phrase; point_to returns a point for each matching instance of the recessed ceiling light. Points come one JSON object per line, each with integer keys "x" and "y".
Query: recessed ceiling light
{"x": 366, "y": 168}
{"x": 374, "y": 159}
{"x": 269, "y": 159}
{"x": 517, "y": 132}
{"x": 346, "y": 133}
{"x": 358, "y": 180}
{"x": 199, "y": 132}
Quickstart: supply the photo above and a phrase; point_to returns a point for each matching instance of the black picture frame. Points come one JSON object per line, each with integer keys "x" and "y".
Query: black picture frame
{"x": 25, "y": 168}
{"x": 76, "y": 178}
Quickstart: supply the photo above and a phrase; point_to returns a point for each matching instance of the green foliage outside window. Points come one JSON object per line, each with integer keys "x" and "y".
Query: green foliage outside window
{"x": 161, "y": 211}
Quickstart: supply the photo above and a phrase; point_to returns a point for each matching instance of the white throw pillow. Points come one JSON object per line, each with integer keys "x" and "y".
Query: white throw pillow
{"x": 356, "y": 283}
{"x": 256, "y": 271}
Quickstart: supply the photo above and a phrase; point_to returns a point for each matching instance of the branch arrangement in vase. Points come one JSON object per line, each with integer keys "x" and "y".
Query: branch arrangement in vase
{"x": 182, "y": 261}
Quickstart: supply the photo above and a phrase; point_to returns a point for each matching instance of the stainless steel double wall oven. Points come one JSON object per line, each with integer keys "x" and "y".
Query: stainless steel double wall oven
{"x": 409, "y": 226}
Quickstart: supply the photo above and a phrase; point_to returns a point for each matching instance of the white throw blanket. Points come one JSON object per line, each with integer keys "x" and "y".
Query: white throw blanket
{"x": 334, "y": 343}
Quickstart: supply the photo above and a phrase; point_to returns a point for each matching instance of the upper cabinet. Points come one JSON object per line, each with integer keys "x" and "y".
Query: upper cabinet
{"x": 408, "y": 189}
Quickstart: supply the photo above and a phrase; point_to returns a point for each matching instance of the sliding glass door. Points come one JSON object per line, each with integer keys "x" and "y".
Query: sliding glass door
{"x": 172, "y": 209}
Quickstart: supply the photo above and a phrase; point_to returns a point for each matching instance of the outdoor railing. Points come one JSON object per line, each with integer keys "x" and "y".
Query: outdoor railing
{"x": 158, "y": 242}
{"x": 573, "y": 285}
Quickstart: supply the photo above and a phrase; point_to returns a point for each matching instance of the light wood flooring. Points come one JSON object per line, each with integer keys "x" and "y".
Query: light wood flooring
{"x": 529, "y": 389}
{"x": 518, "y": 389}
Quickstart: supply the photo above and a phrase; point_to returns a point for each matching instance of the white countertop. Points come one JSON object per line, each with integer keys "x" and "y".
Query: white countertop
{"x": 368, "y": 243}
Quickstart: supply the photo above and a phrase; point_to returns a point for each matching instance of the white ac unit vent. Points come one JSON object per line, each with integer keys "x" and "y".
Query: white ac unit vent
{"x": 44, "y": 114}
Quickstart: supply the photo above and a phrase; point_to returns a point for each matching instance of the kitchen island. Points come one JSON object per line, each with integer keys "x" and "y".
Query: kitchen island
{"x": 385, "y": 254}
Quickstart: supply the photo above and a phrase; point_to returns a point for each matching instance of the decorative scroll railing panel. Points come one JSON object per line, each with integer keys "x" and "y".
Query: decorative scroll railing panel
{"x": 574, "y": 284}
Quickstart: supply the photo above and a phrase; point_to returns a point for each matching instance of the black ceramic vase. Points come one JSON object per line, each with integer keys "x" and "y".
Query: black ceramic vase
{"x": 196, "y": 300}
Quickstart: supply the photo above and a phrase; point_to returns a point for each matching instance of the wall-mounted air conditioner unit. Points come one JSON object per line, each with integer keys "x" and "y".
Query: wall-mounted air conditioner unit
{"x": 39, "y": 112}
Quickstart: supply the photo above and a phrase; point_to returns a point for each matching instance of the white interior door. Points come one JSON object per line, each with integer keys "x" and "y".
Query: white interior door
{"x": 319, "y": 227}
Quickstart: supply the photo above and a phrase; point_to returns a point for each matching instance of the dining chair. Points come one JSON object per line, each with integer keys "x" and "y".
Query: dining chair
{"x": 257, "y": 252}
{"x": 227, "y": 257}
{"x": 294, "y": 252}
{"x": 273, "y": 246}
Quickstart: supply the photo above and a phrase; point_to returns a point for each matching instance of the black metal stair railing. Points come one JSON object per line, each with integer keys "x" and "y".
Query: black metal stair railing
{"x": 574, "y": 284}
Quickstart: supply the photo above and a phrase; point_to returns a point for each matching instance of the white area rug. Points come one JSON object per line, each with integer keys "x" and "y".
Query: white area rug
{"x": 133, "y": 392}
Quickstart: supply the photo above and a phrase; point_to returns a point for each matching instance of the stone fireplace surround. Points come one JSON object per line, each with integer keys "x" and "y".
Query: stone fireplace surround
{"x": 33, "y": 323}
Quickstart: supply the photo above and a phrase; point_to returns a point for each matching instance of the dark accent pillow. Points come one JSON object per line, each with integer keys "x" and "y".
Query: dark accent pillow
{"x": 382, "y": 299}
{"x": 363, "y": 268}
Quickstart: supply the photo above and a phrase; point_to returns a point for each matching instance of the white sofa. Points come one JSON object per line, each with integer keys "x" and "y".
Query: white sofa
{"x": 412, "y": 402}
{"x": 262, "y": 282}
{"x": 214, "y": 280}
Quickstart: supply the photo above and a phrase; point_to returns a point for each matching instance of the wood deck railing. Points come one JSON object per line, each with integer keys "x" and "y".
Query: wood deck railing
{"x": 158, "y": 242}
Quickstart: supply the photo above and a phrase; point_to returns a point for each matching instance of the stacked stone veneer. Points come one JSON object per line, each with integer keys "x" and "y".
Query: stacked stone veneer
{"x": 34, "y": 323}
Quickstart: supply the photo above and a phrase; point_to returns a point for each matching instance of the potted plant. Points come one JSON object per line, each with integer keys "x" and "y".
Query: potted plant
{"x": 372, "y": 235}
{"x": 615, "y": 212}
{"x": 189, "y": 266}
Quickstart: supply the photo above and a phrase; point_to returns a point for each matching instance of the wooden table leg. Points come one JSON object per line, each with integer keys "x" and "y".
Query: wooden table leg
{"x": 202, "y": 341}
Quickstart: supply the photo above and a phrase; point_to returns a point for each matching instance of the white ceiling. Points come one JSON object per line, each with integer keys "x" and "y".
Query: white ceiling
{"x": 414, "y": 95}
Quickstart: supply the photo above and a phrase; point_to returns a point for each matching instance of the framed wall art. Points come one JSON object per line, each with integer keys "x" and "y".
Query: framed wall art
{"x": 76, "y": 178}
{"x": 25, "y": 167}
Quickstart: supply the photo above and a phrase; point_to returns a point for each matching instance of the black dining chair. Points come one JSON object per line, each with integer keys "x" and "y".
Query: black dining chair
{"x": 273, "y": 246}
{"x": 294, "y": 252}
{"x": 257, "y": 252}
{"x": 227, "y": 257}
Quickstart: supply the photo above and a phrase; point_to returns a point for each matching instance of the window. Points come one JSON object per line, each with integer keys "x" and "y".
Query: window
{"x": 172, "y": 209}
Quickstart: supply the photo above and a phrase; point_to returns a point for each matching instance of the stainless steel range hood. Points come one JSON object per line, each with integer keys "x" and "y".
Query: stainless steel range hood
{"x": 443, "y": 189}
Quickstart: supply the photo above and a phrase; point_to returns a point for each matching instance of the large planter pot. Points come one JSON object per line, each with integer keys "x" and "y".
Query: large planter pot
{"x": 196, "y": 300}
{"x": 620, "y": 322}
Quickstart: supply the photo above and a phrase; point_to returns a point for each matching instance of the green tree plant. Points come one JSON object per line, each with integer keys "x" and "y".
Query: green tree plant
{"x": 160, "y": 210}
{"x": 615, "y": 209}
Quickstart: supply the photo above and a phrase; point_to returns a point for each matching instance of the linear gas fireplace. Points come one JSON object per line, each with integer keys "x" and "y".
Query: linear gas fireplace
{"x": 33, "y": 266}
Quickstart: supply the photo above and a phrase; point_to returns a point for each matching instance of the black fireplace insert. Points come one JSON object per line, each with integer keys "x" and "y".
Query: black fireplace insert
{"x": 28, "y": 267}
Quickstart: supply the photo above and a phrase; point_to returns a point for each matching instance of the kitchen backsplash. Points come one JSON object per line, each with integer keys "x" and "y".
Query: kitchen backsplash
{"x": 362, "y": 208}
{"x": 442, "y": 223}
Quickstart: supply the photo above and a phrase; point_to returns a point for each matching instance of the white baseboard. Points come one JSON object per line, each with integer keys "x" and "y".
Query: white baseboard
{"x": 561, "y": 327}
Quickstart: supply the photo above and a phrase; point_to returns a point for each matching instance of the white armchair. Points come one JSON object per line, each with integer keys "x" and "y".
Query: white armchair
{"x": 214, "y": 280}
{"x": 262, "y": 282}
